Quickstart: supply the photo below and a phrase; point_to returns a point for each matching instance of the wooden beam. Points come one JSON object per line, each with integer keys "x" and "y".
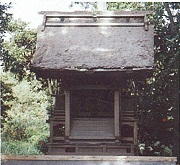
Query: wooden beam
{"x": 57, "y": 24}
{"x": 87, "y": 14}
{"x": 95, "y": 158}
{"x": 92, "y": 87}
{"x": 44, "y": 22}
{"x": 67, "y": 114}
{"x": 116, "y": 114}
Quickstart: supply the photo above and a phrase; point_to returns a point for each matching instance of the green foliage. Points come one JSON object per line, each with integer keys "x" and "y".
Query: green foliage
{"x": 24, "y": 99}
{"x": 19, "y": 50}
{"x": 142, "y": 6}
{"x": 158, "y": 96}
{"x": 156, "y": 149}
{"x": 5, "y": 17}
{"x": 25, "y": 111}
{"x": 19, "y": 148}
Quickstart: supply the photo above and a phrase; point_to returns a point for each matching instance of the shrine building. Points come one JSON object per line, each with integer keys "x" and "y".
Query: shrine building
{"x": 88, "y": 59}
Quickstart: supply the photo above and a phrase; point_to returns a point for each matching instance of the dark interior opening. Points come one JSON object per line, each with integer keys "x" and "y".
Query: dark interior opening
{"x": 58, "y": 130}
{"x": 70, "y": 149}
{"x": 127, "y": 130}
{"x": 92, "y": 103}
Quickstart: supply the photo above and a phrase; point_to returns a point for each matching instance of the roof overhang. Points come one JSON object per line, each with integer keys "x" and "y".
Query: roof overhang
{"x": 85, "y": 43}
{"x": 116, "y": 74}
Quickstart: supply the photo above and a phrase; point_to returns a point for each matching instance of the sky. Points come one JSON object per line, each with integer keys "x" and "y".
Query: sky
{"x": 27, "y": 10}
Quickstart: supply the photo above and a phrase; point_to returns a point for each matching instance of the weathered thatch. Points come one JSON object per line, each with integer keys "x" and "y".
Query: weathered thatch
{"x": 80, "y": 41}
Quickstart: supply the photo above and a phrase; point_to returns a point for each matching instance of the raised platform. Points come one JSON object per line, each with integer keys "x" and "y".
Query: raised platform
{"x": 89, "y": 160}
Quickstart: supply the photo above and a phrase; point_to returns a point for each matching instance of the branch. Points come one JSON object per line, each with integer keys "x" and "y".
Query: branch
{"x": 166, "y": 5}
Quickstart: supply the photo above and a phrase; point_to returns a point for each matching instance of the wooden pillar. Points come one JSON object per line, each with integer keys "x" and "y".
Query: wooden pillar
{"x": 51, "y": 131}
{"x": 67, "y": 114}
{"x": 135, "y": 133}
{"x": 116, "y": 114}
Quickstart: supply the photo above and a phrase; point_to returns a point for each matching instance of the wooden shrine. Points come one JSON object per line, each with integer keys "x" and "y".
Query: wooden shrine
{"x": 88, "y": 59}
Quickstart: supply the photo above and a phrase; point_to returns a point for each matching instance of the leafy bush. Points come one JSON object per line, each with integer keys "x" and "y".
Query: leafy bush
{"x": 24, "y": 100}
{"x": 25, "y": 114}
{"x": 157, "y": 149}
{"x": 19, "y": 148}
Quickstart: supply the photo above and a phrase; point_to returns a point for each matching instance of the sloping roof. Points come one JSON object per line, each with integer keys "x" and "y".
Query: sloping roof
{"x": 81, "y": 41}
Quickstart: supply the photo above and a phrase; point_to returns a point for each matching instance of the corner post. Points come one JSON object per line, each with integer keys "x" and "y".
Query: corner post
{"x": 116, "y": 115}
{"x": 67, "y": 114}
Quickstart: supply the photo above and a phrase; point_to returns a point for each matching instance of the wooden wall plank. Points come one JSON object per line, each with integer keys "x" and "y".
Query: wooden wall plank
{"x": 92, "y": 128}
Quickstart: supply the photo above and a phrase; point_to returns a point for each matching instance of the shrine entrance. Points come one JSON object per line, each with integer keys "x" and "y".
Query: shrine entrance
{"x": 92, "y": 114}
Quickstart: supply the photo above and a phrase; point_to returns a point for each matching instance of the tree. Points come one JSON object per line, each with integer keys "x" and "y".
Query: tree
{"x": 5, "y": 17}
{"x": 26, "y": 111}
{"x": 158, "y": 96}
{"x": 166, "y": 74}
{"x": 17, "y": 54}
{"x": 19, "y": 50}
{"x": 25, "y": 102}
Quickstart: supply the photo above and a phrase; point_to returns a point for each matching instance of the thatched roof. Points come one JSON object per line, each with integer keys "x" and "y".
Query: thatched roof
{"x": 80, "y": 41}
